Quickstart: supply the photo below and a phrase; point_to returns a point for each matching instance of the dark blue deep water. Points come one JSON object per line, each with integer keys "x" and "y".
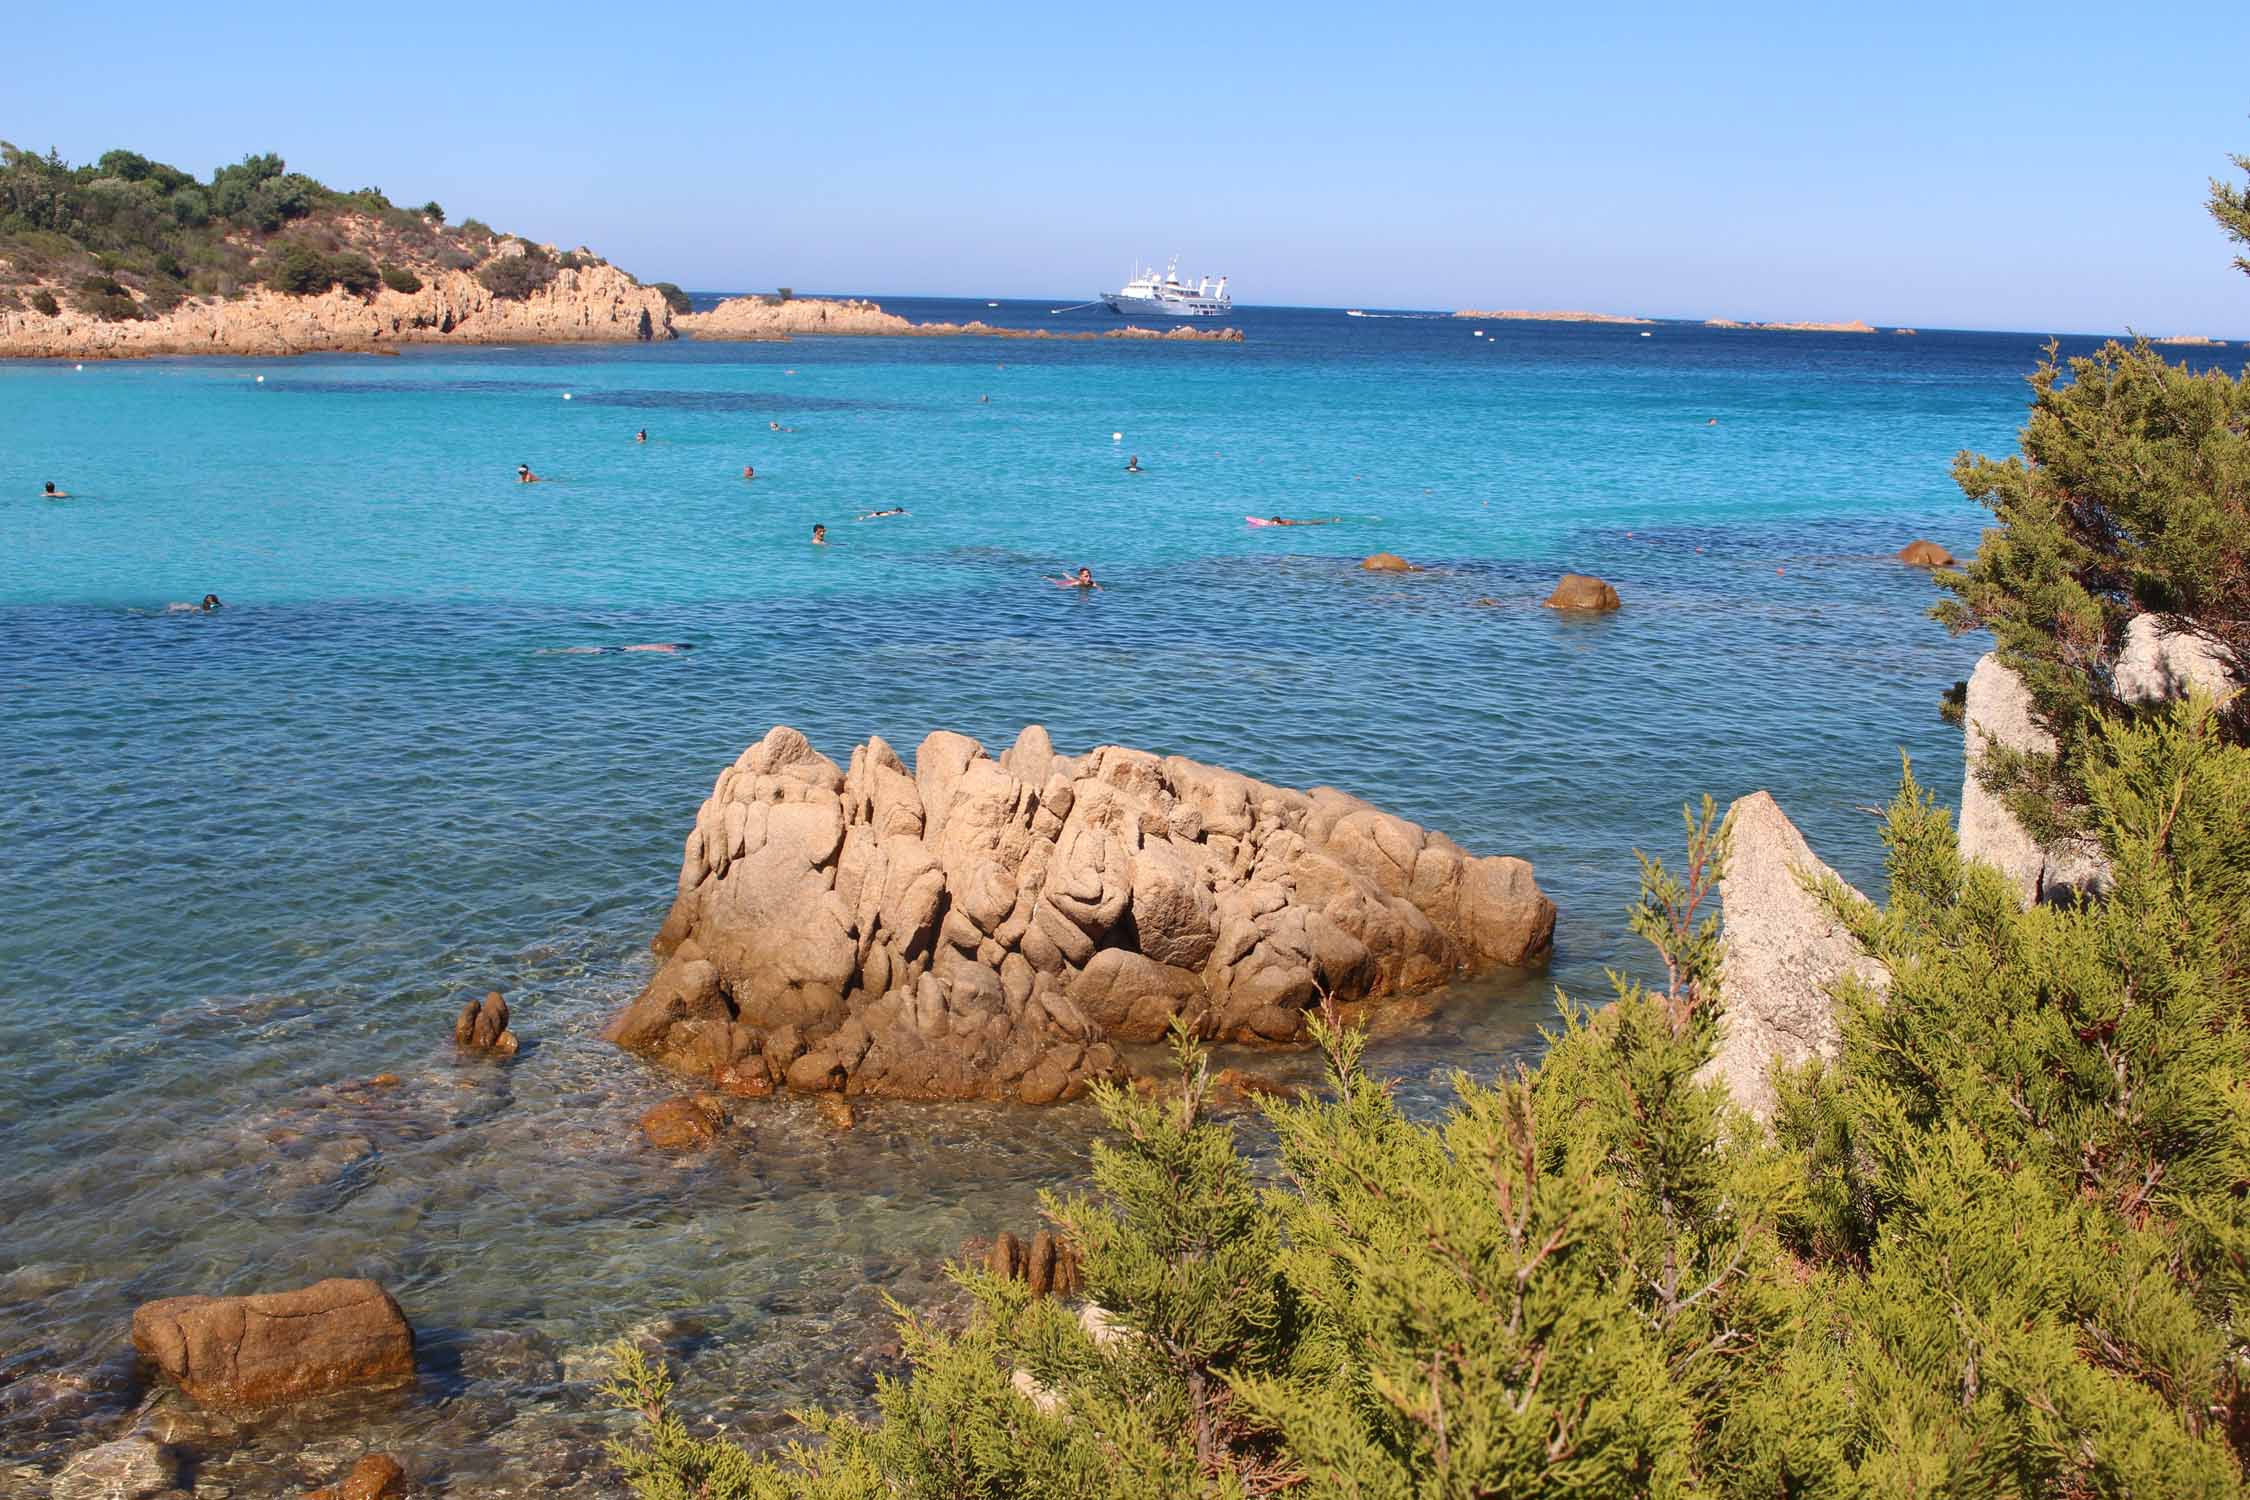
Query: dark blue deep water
{"x": 255, "y": 857}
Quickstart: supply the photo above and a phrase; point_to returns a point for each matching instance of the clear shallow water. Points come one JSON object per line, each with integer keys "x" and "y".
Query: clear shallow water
{"x": 253, "y": 858}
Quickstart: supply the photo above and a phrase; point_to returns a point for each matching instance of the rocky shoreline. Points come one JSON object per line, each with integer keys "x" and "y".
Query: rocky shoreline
{"x": 587, "y": 304}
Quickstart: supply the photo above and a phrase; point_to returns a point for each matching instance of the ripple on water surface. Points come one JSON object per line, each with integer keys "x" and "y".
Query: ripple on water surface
{"x": 259, "y": 856}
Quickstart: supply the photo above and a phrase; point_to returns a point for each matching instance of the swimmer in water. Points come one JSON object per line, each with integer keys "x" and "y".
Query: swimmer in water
{"x": 877, "y": 515}
{"x": 748, "y": 472}
{"x": 1319, "y": 521}
{"x": 210, "y": 602}
{"x": 51, "y": 493}
{"x": 820, "y": 536}
{"x": 524, "y": 475}
{"x": 1083, "y": 580}
{"x": 641, "y": 436}
{"x": 1712, "y": 423}
{"x": 1133, "y": 464}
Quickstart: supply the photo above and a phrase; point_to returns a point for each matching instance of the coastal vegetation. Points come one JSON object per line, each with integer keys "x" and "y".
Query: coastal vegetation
{"x": 1999, "y": 1246}
{"x": 126, "y": 237}
{"x": 2131, "y": 496}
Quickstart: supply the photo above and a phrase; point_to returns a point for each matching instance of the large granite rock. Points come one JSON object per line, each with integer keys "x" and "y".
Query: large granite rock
{"x": 1997, "y": 710}
{"x": 1783, "y": 954}
{"x": 2158, "y": 664}
{"x": 978, "y": 927}
{"x": 278, "y": 1346}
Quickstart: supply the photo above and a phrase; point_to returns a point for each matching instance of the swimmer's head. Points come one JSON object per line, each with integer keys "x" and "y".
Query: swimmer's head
{"x": 50, "y": 486}
{"x": 1085, "y": 575}
{"x": 210, "y": 601}
{"x": 819, "y": 533}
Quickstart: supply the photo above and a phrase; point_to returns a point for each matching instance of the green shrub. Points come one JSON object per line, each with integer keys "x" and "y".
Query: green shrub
{"x": 106, "y": 298}
{"x": 674, "y": 298}
{"x": 355, "y": 273}
{"x": 516, "y": 277}
{"x": 296, "y": 268}
{"x": 44, "y": 301}
{"x": 400, "y": 279}
{"x": 475, "y": 229}
{"x": 161, "y": 296}
{"x": 433, "y": 212}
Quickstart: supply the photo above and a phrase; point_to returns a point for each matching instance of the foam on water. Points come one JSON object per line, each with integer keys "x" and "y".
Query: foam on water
{"x": 255, "y": 857}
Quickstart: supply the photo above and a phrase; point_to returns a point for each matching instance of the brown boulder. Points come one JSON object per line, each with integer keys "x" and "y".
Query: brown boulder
{"x": 1921, "y": 554}
{"x": 683, "y": 1123}
{"x": 278, "y": 1346}
{"x": 482, "y": 1026}
{"x": 378, "y": 1476}
{"x": 1578, "y": 591}
{"x": 835, "y": 1111}
{"x": 1387, "y": 562}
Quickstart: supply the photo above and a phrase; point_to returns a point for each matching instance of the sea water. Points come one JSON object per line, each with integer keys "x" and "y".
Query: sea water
{"x": 255, "y": 857}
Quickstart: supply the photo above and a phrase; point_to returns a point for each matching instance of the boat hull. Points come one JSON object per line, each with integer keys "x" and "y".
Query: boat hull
{"x": 1151, "y": 307}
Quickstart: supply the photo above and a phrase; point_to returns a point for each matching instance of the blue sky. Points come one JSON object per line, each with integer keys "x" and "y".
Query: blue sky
{"x": 1963, "y": 165}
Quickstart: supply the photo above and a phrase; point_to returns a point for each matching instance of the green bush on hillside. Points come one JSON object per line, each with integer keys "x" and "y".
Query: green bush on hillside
{"x": 674, "y": 298}
{"x": 433, "y": 212}
{"x": 400, "y": 279}
{"x": 44, "y": 301}
{"x": 517, "y": 276}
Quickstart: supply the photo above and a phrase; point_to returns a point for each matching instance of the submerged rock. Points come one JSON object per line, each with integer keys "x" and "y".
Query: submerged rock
{"x": 1387, "y": 562}
{"x": 1578, "y": 591}
{"x": 1921, "y": 554}
{"x": 378, "y": 1476}
{"x": 986, "y": 928}
{"x": 278, "y": 1346}
{"x": 482, "y": 1026}
{"x": 132, "y": 1468}
{"x": 684, "y": 1123}
{"x": 1783, "y": 954}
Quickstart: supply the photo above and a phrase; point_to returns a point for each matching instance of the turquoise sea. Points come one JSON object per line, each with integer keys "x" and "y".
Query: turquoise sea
{"x": 255, "y": 857}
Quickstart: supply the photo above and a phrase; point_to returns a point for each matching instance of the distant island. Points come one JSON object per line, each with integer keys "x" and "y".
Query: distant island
{"x": 781, "y": 315}
{"x": 1520, "y": 315}
{"x": 2192, "y": 340}
{"x": 1855, "y": 326}
{"x": 128, "y": 256}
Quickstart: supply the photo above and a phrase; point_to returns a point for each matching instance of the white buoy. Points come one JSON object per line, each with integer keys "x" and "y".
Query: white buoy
{"x": 81, "y": 367}
{"x": 261, "y": 380}
{"x": 1647, "y": 335}
{"x": 566, "y": 395}
{"x": 1478, "y": 334}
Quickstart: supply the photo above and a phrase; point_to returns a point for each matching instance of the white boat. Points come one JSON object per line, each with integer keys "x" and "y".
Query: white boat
{"x": 1148, "y": 296}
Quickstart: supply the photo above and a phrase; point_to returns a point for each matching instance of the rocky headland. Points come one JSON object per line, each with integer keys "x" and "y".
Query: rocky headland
{"x": 778, "y": 318}
{"x": 1524, "y": 315}
{"x": 589, "y": 303}
{"x": 981, "y": 927}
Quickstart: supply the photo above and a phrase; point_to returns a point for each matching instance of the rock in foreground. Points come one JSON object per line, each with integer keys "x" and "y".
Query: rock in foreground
{"x": 982, "y": 928}
{"x": 278, "y": 1346}
{"x": 1922, "y": 554}
{"x": 1997, "y": 710}
{"x": 1783, "y": 953}
{"x": 482, "y": 1026}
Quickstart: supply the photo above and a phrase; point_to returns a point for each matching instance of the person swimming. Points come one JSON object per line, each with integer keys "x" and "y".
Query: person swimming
{"x": 1084, "y": 579}
{"x": 641, "y": 436}
{"x": 210, "y": 602}
{"x": 1133, "y": 464}
{"x": 877, "y": 515}
{"x": 748, "y": 472}
{"x": 51, "y": 493}
{"x": 819, "y": 536}
{"x": 1303, "y": 521}
{"x": 524, "y": 475}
